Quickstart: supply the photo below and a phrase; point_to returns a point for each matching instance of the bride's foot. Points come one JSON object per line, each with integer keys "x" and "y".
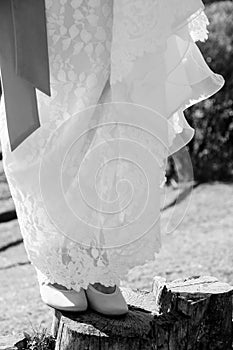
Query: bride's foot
{"x": 106, "y": 300}
{"x": 61, "y": 298}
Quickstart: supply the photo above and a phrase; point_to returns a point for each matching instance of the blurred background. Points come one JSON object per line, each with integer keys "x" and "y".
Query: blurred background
{"x": 202, "y": 241}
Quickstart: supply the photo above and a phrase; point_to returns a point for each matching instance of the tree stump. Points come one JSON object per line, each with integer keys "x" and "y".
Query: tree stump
{"x": 188, "y": 314}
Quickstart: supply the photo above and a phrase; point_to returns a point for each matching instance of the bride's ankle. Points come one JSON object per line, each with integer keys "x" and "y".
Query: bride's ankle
{"x": 103, "y": 289}
{"x": 58, "y": 286}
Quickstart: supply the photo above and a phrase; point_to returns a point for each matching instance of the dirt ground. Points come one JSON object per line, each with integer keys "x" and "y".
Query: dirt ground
{"x": 201, "y": 244}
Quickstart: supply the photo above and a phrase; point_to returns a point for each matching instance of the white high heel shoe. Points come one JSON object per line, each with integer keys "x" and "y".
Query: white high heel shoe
{"x": 107, "y": 304}
{"x": 67, "y": 300}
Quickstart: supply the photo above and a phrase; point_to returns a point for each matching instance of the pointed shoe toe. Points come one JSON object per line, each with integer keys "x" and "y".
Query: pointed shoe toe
{"x": 66, "y": 300}
{"x": 112, "y": 304}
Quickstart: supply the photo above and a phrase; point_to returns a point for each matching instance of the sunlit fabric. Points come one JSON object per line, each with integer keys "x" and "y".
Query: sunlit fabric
{"x": 86, "y": 184}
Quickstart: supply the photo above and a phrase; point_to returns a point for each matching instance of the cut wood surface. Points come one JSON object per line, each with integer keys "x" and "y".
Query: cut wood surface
{"x": 190, "y": 314}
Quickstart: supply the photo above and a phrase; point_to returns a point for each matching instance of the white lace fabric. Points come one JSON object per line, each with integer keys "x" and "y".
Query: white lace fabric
{"x": 143, "y": 27}
{"x": 142, "y": 52}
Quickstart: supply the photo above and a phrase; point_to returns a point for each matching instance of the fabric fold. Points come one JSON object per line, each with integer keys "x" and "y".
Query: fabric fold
{"x": 161, "y": 67}
{"x": 31, "y": 44}
{"x": 24, "y": 64}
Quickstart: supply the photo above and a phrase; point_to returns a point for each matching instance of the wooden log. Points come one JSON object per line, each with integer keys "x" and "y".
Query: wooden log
{"x": 188, "y": 314}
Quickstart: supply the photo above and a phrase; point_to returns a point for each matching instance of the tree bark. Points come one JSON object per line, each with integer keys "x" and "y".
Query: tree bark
{"x": 191, "y": 314}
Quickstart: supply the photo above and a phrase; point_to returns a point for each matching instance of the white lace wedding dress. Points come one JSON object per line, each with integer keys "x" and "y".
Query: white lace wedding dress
{"x": 141, "y": 54}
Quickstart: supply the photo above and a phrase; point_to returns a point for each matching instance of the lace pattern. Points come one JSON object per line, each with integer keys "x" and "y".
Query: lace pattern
{"x": 92, "y": 42}
{"x": 198, "y": 26}
{"x": 139, "y": 28}
{"x": 79, "y": 35}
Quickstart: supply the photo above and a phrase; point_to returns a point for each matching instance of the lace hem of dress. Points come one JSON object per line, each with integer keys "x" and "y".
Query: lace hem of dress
{"x": 110, "y": 275}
